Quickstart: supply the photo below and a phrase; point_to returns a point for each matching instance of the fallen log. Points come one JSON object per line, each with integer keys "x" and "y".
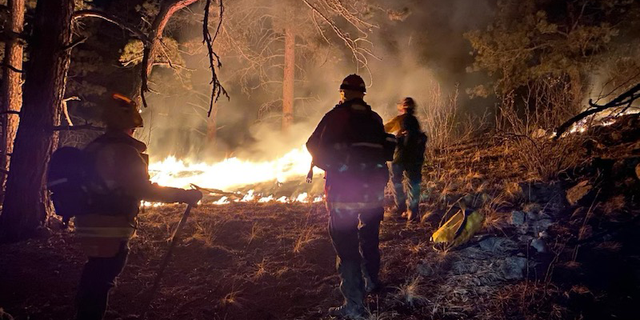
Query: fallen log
{"x": 626, "y": 98}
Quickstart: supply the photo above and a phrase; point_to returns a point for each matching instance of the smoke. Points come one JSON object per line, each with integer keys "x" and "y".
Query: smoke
{"x": 418, "y": 45}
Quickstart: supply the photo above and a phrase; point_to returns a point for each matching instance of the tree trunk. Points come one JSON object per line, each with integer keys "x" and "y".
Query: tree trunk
{"x": 26, "y": 205}
{"x": 289, "y": 78}
{"x": 11, "y": 85}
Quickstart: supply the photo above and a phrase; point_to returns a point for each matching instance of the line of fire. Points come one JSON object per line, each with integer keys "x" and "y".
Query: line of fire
{"x": 319, "y": 159}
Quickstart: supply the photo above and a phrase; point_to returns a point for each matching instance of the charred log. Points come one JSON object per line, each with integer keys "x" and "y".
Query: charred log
{"x": 625, "y": 99}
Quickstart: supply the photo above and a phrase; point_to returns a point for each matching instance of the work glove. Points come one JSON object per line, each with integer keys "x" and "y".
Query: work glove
{"x": 191, "y": 197}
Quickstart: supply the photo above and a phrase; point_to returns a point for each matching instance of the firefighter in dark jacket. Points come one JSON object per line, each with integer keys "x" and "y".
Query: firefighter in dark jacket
{"x": 349, "y": 145}
{"x": 104, "y": 234}
{"x": 408, "y": 158}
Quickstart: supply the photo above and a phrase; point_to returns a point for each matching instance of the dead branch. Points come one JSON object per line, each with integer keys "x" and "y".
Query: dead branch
{"x": 10, "y": 112}
{"x": 626, "y": 98}
{"x": 65, "y": 109}
{"x": 75, "y": 43}
{"x": 167, "y": 9}
{"x": 216, "y": 87}
{"x": 12, "y": 68}
{"x": 360, "y": 54}
{"x": 87, "y": 126}
{"x": 81, "y": 14}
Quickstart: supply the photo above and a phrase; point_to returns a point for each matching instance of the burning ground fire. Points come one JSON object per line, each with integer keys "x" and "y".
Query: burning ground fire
{"x": 234, "y": 173}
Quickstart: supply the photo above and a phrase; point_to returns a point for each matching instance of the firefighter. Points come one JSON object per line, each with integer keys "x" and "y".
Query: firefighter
{"x": 348, "y": 144}
{"x": 408, "y": 159}
{"x": 104, "y": 233}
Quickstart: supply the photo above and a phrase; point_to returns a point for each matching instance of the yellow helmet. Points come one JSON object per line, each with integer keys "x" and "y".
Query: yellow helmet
{"x": 121, "y": 113}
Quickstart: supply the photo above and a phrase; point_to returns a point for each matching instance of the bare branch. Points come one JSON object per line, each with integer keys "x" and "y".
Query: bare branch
{"x": 75, "y": 43}
{"x": 167, "y": 9}
{"x": 626, "y": 98}
{"x": 87, "y": 126}
{"x": 12, "y": 68}
{"x": 216, "y": 87}
{"x": 10, "y": 112}
{"x": 81, "y": 14}
{"x": 65, "y": 109}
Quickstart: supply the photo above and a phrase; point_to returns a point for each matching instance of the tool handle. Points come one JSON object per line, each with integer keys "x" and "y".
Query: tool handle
{"x": 167, "y": 258}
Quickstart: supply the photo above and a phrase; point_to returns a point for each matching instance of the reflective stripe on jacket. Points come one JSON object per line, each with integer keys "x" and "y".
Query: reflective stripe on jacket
{"x": 102, "y": 235}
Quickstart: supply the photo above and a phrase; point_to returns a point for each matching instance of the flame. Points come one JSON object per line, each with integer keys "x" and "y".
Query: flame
{"x": 234, "y": 173}
{"x": 600, "y": 120}
{"x": 230, "y": 173}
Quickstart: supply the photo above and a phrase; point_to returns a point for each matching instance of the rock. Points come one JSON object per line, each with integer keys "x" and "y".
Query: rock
{"x": 551, "y": 194}
{"x": 532, "y": 216}
{"x": 497, "y": 245}
{"x": 577, "y": 192}
{"x": 464, "y": 266}
{"x": 541, "y": 225}
{"x": 540, "y": 133}
{"x": 525, "y": 238}
{"x": 425, "y": 270}
{"x": 539, "y": 215}
{"x": 517, "y": 218}
{"x": 539, "y": 245}
{"x": 512, "y": 268}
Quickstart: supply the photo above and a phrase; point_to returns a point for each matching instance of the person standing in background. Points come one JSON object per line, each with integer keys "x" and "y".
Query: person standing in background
{"x": 407, "y": 159}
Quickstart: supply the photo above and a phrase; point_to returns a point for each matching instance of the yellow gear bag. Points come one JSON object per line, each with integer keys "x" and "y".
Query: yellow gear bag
{"x": 459, "y": 228}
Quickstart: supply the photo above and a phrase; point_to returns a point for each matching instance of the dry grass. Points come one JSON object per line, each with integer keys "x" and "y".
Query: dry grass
{"x": 232, "y": 299}
{"x": 256, "y": 232}
{"x": 306, "y": 236}
{"x": 206, "y": 231}
{"x": 528, "y": 132}
{"x": 411, "y": 293}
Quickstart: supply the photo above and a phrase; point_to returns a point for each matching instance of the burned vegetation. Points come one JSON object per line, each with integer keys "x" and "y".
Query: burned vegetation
{"x": 531, "y": 170}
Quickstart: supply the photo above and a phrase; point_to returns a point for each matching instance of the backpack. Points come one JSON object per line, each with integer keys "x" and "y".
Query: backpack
{"x": 366, "y": 147}
{"x": 69, "y": 178}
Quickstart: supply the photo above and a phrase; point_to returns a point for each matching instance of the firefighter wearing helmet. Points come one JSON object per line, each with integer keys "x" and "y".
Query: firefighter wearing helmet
{"x": 120, "y": 166}
{"x": 351, "y": 146}
{"x": 407, "y": 160}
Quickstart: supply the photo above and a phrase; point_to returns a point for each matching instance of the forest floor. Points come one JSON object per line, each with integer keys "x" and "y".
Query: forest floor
{"x": 559, "y": 247}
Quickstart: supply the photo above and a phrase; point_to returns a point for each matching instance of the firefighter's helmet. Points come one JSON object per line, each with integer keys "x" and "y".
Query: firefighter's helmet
{"x": 408, "y": 103}
{"x": 121, "y": 113}
{"x": 353, "y": 82}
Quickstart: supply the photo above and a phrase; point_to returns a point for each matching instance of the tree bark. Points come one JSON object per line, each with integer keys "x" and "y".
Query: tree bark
{"x": 289, "y": 77}
{"x": 26, "y": 205}
{"x": 11, "y": 85}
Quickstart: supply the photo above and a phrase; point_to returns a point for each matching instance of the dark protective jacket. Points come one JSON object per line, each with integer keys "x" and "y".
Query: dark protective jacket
{"x": 122, "y": 167}
{"x": 349, "y": 145}
{"x": 411, "y": 140}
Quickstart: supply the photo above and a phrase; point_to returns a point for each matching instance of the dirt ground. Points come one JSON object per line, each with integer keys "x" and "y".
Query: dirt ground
{"x": 275, "y": 261}
{"x": 238, "y": 261}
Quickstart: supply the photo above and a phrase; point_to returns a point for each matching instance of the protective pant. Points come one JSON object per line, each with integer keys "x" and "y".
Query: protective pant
{"x": 413, "y": 171}
{"x": 98, "y": 277}
{"x": 355, "y": 237}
